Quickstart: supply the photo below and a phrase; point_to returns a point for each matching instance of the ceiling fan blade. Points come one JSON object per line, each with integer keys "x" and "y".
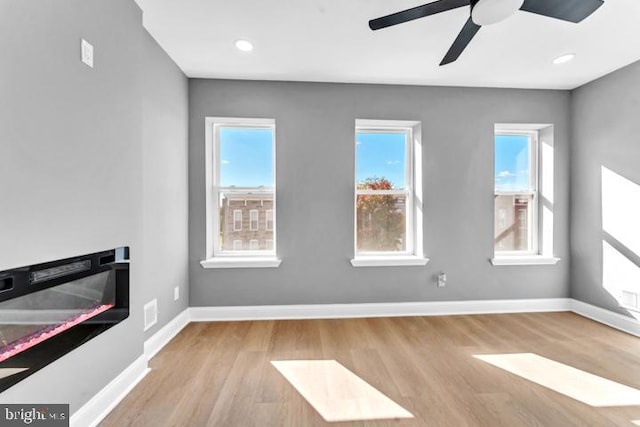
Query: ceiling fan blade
{"x": 416, "y": 12}
{"x": 460, "y": 43}
{"x": 566, "y": 10}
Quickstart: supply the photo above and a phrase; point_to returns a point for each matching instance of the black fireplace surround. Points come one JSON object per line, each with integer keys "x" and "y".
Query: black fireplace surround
{"x": 49, "y": 309}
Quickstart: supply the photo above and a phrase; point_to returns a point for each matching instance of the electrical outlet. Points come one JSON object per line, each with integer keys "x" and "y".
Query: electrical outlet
{"x": 442, "y": 280}
{"x": 176, "y": 293}
{"x": 86, "y": 52}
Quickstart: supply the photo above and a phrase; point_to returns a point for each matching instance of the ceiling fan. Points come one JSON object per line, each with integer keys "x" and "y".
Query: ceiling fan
{"x": 487, "y": 12}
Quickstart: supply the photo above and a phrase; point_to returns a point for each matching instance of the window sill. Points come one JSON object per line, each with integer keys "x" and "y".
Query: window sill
{"x": 525, "y": 260}
{"x": 399, "y": 261}
{"x": 238, "y": 262}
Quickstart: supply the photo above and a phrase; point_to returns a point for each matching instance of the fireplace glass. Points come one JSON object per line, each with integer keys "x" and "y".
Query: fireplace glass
{"x": 49, "y": 309}
{"x": 30, "y": 319}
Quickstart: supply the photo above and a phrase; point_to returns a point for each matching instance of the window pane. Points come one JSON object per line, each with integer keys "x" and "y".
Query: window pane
{"x": 253, "y": 220}
{"x": 246, "y": 157}
{"x": 512, "y": 228}
{"x": 237, "y": 220}
{"x": 269, "y": 219}
{"x": 512, "y": 163}
{"x": 381, "y": 223}
{"x": 242, "y": 209}
{"x": 381, "y": 157}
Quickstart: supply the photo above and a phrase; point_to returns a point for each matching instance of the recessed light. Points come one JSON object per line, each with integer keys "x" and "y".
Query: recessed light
{"x": 244, "y": 45}
{"x": 564, "y": 58}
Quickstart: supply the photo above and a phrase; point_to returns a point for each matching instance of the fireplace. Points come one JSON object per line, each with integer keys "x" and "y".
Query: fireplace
{"x": 47, "y": 310}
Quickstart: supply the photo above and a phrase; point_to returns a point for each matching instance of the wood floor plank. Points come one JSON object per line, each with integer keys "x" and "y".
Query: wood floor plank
{"x": 220, "y": 374}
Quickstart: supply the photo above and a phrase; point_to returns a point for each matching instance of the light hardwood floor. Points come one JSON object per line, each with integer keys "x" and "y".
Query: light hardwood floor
{"x": 219, "y": 374}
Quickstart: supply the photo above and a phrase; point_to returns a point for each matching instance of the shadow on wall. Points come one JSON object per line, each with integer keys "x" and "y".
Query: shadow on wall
{"x": 621, "y": 240}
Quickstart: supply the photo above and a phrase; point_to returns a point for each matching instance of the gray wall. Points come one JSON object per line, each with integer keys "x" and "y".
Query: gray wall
{"x": 315, "y": 162}
{"x": 164, "y": 183}
{"x": 605, "y": 129}
{"x": 74, "y": 143}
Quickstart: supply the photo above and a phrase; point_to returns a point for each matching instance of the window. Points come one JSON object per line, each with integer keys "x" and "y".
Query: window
{"x": 387, "y": 218}
{"x": 523, "y": 195}
{"x": 241, "y": 182}
{"x": 268, "y": 244}
{"x": 237, "y": 220}
{"x": 253, "y": 220}
{"x": 516, "y": 193}
{"x": 269, "y": 224}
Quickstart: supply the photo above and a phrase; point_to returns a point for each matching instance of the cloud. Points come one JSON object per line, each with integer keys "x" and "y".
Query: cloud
{"x": 505, "y": 174}
{"x": 225, "y": 162}
{"x": 393, "y": 162}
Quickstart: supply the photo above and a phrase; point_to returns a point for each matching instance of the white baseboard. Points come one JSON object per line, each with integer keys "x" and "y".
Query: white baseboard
{"x": 156, "y": 342}
{"x": 607, "y": 317}
{"x": 335, "y": 311}
{"x": 102, "y": 403}
{"x": 437, "y": 308}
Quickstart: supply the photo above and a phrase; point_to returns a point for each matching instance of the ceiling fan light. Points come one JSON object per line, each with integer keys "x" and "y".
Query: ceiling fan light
{"x": 564, "y": 58}
{"x": 487, "y": 12}
{"x": 244, "y": 45}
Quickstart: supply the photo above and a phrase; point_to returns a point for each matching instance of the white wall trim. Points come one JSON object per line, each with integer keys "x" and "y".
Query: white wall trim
{"x": 157, "y": 341}
{"x": 106, "y": 399}
{"x": 390, "y": 261}
{"x": 607, "y": 317}
{"x": 525, "y": 260}
{"x": 397, "y": 309}
{"x": 241, "y": 262}
{"x": 431, "y": 308}
{"x": 96, "y": 409}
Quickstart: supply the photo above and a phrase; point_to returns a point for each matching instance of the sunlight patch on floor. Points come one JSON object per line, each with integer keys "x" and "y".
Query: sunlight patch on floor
{"x": 580, "y": 385}
{"x": 336, "y": 392}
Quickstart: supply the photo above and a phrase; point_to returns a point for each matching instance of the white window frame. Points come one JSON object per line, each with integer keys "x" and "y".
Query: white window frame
{"x": 537, "y": 254}
{"x": 269, "y": 213}
{"x": 235, "y": 220}
{"x": 255, "y": 243}
{"x": 251, "y": 220}
{"x": 413, "y": 253}
{"x": 236, "y": 246}
{"x": 216, "y": 257}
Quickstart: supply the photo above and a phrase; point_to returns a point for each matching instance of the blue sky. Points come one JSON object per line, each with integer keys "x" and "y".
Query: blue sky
{"x": 381, "y": 155}
{"x": 246, "y": 157}
{"x": 512, "y": 162}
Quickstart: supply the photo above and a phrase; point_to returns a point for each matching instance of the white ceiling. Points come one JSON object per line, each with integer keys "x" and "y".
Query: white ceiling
{"x": 330, "y": 41}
